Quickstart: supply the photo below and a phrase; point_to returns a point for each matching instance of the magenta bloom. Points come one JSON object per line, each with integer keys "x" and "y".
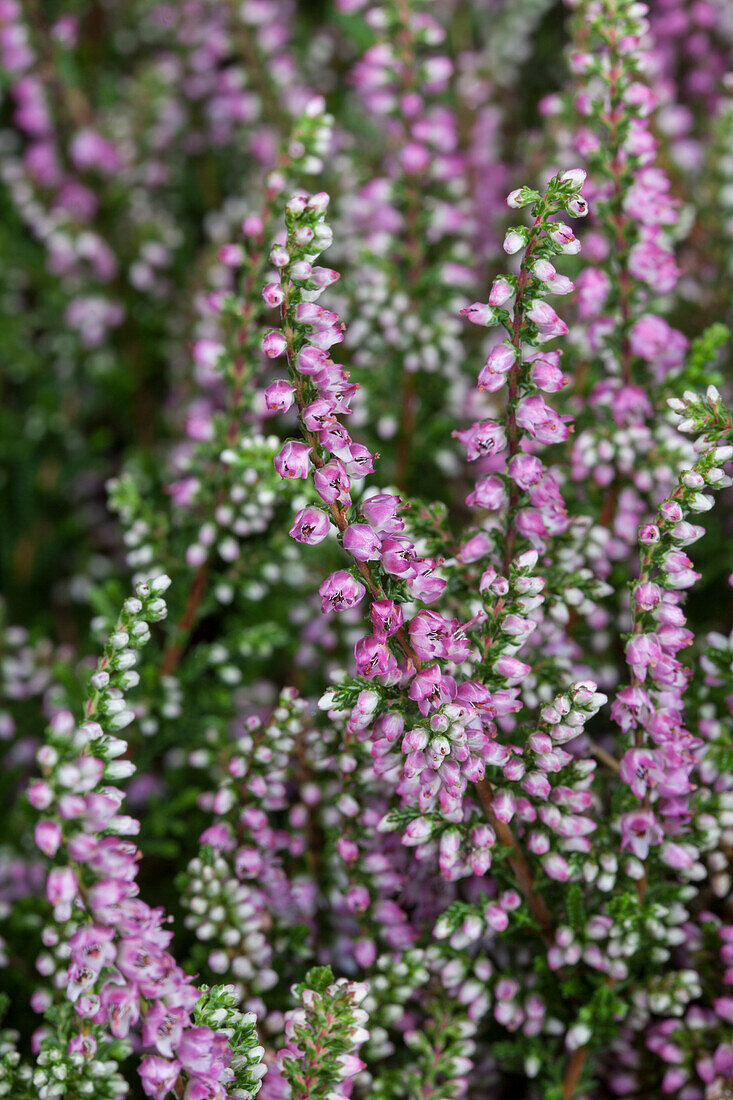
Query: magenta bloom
{"x": 310, "y": 526}
{"x": 279, "y": 396}
{"x": 341, "y": 591}
{"x": 362, "y": 542}
{"x": 158, "y": 1076}
{"x": 163, "y": 1028}
{"x": 541, "y": 421}
{"x": 433, "y": 636}
{"x": 639, "y": 830}
{"x": 61, "y": 890}
{"x": 380, "y": 511}
{"x": 386, "y": 616}
{"x": 642, "y": 652}
{"x": 482, "y": 438}
{"x": 48, "y": 837}
{"x": 293, "y": 460}
{"x": 274, "y": 344}
{"x": 332, "y": 483}
{"x": 373, "y": 658}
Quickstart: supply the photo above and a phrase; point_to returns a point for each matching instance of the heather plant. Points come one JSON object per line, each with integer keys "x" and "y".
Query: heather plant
{"x": 365, "y": 653}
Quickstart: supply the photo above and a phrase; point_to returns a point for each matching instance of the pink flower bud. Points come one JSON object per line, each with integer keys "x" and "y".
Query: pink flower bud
{"x": 48, "y": 837}
{"x": 274, "y": 344}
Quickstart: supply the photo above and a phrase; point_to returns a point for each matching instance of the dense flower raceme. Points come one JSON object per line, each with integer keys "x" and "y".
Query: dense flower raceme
{"x": 119, "y": 972}
{"x": 455, "y": 746}
{"x": 609, "y": 118}
{"x": 659, "y": 765}
{"x": 412, "y": 222}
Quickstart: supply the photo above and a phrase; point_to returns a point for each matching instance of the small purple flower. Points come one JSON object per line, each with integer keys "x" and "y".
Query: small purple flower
{"x": 311, "y": 526}
{"x": 293, "y": 460}
{"x": 373, "y": 658}
{"x": 341, "y": 591}
{"x": 158, "y": 1075}
{"x": 332, "y": 483}
{"x": 362, "y": 542}
{"x": 639, "y": 830}
{"x": 279, "y": 396}
{"x": 386, "y": 616}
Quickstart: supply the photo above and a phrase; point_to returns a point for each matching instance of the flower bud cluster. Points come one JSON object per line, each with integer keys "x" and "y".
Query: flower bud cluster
{"x": 518, "y": 486}
{"x": 658, "y": 767}
{"x": 323, "y": 1036}
{"x": 235, "y": 888}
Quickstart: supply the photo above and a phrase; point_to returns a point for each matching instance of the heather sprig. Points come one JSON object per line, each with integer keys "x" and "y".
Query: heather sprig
{"x": 323, "y": 1036}
{"x": 118, "y": 971}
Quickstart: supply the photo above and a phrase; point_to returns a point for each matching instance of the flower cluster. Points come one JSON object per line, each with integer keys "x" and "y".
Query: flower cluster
{"x": 418, "y": 780}
{"x": 119, "y": 970}
{"x": 331, "y": 1021}
{"x": 659, "y": 766}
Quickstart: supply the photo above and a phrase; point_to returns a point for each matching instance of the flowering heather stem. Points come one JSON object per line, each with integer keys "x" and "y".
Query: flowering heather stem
{"x": 512, "y": 429}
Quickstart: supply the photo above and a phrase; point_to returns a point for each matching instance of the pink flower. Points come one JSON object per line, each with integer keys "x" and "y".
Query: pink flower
{"x": 61, "y": 890}
{"x": 639, "y": 830}
{"x": 386, "y": 616}
{"x": 362, "y": 542}
{"x": 556, "y": 867}
{"x": 122, "y": 1006}
{"x": 635, "y": 766}
{"x": 593, "y": 286}
{"x": 654, "y": 266}
{"x": 341, "y": 591}
{"x": 380, "y": 511}
{"x": 501, "y": 360}
{"x": 526, "y": 470}
{"x": 48, "y": 837}
{"x": 274, "y": 344}
{"x": 654, "y": 340}
{"x": 293, "y": 460}
{"x": 332, "y": 483}
{"x": 398, "y": 556}
{"x": 158, "y": 1075}
{"x": 482, "y": 438}
{"x": 541, "y": 421}
{"x": 489, "y": 493}
{"x": 311, "y": 526}
{"x": 642, "y": 652}
{"x": 433, "y": 636}
{"x": 373, "y": 658}
{"x": 545, "y": 371}
{"x": 479, "y": 314}
{"x": 163, "y": 1028}
{"x": 279, "y": 396}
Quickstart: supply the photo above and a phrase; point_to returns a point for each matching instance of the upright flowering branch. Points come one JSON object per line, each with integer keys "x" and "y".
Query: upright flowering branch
{"x": 413, "y": 223}
{"x": 119, "y": 972}
{"x": 322, "y": 393}
{"x": 308, "y": 331}
{"x": 519, "y": 362}
{"x": 659, "y": 764}
{"x": 627, "y": 346}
